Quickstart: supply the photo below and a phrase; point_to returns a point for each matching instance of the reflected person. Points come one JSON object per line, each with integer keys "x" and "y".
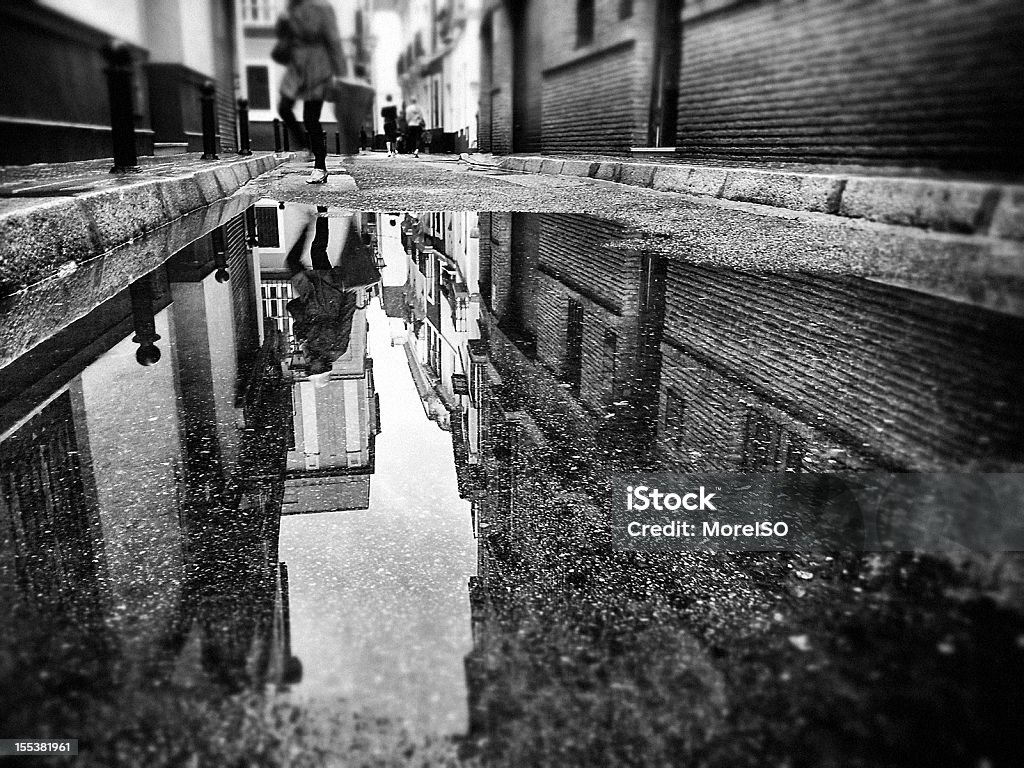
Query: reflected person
{"x": 323, "y": 308}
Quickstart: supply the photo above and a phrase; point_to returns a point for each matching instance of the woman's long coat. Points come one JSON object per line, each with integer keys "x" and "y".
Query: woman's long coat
{"x": 316, "y": 50}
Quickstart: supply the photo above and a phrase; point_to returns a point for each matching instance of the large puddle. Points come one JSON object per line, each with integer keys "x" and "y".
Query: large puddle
{"x": 329, "y": 486}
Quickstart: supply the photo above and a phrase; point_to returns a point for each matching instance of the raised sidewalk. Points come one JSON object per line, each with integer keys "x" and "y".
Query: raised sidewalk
{"x": 53, "y": 217}
{"x": 943, "y": 204}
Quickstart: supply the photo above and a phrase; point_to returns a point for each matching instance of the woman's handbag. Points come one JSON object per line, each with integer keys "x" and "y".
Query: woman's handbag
{"x": 282, "y": 50}
{"x": 353, "y": 99}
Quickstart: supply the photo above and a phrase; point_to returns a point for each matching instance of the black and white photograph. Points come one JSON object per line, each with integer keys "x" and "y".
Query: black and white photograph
{"x": 512, "y": 383}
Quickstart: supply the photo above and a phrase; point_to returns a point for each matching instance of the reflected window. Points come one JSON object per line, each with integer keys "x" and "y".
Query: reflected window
{"x": 573, "y": 369}
{"x": 611, "y": 341}
{"x": 269, "y": 235}
{"x": 584, "y": 22}
{"x": 675, "y": 415}
{"x": 770, "y": 447}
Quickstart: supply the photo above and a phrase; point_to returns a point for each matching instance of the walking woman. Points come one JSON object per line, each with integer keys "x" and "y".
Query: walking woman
{"x": 309, "y": 31}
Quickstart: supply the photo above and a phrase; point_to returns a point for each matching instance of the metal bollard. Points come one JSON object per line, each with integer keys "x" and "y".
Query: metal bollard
{"x": 284, "y": 136}
{"x": 244, "y": 146}
{"x": 337, "y": 142}
{"x": 277, "y": 135}
{"x": 208, "y": 100}
{"x": 119, "y": 73}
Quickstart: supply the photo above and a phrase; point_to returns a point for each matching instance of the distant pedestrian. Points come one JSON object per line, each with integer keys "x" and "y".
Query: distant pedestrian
{"x": 308, "y": 32}
{"x": 402, "y": 145}
{"x": 414, "y": 117}
{"x": 390, "y": 115}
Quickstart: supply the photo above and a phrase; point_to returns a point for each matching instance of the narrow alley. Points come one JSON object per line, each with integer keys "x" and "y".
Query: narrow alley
{"x": 505, "y": 384}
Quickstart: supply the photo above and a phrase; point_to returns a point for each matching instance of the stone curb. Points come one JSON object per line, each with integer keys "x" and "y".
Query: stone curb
{"x": 37, "y": 239}
{"x": 963, "y": 207}
{"x": 33, "y": 316}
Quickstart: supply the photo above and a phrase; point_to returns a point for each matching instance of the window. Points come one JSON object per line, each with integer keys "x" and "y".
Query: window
{"x": 625, "y": 9}
{"x": 584, "y": 22}
{"x": 259, "y": 11}
{"x": 257, "y": 83}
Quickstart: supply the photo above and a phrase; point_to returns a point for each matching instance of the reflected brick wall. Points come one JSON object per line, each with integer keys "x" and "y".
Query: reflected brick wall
{"x": 567, "y": 260}
{"x": 906, "y": 380}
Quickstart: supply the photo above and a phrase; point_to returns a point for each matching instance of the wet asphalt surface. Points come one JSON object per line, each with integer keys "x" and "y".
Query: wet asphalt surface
{"x": 538, "y": 645}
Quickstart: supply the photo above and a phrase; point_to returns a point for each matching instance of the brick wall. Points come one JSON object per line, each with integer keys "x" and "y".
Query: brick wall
{"x": 897, "y": 376}
{"x": 588, "y": 106}
{"x": 496, "y": 82}
{"x": 592, "y": 93}
{"x": 936, "y": 84}
{"x": 484, "y": 121}
{"x": 594, "y": 97}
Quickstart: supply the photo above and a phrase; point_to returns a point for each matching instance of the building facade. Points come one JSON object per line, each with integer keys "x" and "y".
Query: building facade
{"x": 137, "y": 559}
{"x": 809, "y": 81}
{"x": 439, "y": 65}
{"x": 54, "y": 105}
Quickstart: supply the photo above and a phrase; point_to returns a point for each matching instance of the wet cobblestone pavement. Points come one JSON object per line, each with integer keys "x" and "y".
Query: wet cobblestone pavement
{"x": 324, "y": 486}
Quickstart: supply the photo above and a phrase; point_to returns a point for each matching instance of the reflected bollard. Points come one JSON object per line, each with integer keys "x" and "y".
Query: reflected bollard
{"x": 144, "y": 320}
{"x": 277, "y": 135}
{"x": 121, "y": 90}
{"x": 208, "y": 100}
{"x": 337, "y": 142}
{"x": 244, "y": 145}
{"x": 220, "y": 255}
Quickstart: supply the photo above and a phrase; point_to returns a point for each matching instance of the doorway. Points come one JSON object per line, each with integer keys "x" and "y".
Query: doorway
{"x": 528, "y": 76}
{"x": 665, "y": 82}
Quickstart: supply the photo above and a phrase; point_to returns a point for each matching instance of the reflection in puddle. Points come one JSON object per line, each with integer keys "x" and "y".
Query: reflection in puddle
{"x": 349, "y": 470}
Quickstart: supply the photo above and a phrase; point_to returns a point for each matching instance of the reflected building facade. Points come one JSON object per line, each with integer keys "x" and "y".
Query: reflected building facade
{"x": 722, "y": 370}
{"x": 334, "y": 415}
{"x": 793, "y": 372}
{"x": 584, "y": 316}
{"x": 149, "y": 521}
{"x": 699, "y": 368}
